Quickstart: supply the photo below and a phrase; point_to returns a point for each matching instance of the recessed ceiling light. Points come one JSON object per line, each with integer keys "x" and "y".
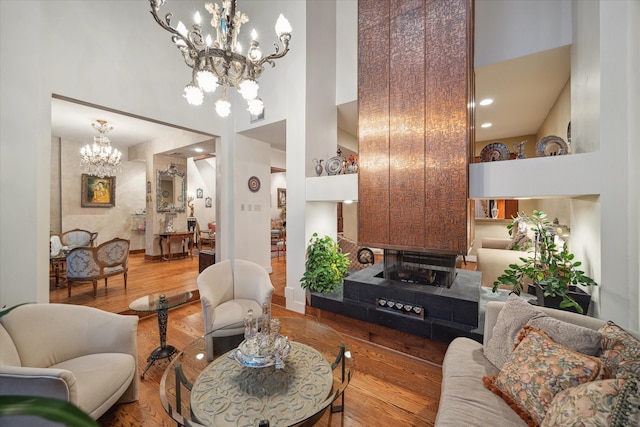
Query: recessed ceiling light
{"x": 198, "y": 150}
{"x": 485, "y": 125}
{"x": 486, "y": 101}
{"x": 348, "y": 202}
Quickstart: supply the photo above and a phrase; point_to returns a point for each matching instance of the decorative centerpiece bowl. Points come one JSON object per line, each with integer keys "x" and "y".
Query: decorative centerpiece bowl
{"x": 261, "y": 351}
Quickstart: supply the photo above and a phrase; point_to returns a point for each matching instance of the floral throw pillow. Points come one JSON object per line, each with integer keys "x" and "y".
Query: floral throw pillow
{"x": 613, "y": 402}
{"x": 620, "y": 351}
{"x": 539, "y": 369}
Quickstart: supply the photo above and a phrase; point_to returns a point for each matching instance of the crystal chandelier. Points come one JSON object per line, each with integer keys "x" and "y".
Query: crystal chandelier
{"x": 100, "y": 159}
{"x": 219, "y": 62}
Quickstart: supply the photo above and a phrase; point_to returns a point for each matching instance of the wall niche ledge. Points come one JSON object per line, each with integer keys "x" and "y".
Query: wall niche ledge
{"x": 559, "y": 176}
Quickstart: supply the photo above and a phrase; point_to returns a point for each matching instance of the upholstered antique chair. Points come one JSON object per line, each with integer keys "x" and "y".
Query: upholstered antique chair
{"x": 206, "y": 237}
{"x": 228, "y": 290}
{"x": 88, "y": 264}
{"x": 75, "y": 353}
{"x": 78, "y": 237}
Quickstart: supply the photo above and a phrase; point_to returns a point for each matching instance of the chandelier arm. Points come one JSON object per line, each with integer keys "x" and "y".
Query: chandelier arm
{"x": 189, "y": 50}
{"x": 277, "y": 54}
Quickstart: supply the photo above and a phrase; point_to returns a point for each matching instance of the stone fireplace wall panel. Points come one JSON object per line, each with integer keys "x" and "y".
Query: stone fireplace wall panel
{"x": 415, "y": 75}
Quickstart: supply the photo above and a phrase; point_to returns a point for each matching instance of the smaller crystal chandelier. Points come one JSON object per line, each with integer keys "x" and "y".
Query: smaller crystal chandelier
{"x": 220, "y": 62}
{"x": 100, "y": 159}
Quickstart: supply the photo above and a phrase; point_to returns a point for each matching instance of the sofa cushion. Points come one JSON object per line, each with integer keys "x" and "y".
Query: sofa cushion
{"x": 464, "y": 401}
{"x": 538, "y": 370}
{"x": 620, "y": 351}
{"x": 94, "y": 382}
{"x": 578, "y": 338}
{"x": 613, "y": 402}
{"x": 516, "y": 313}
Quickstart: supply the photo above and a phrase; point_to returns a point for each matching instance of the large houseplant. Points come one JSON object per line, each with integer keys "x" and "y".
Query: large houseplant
{"x": 550, "y": 268}
{"x": 326, "y": 265}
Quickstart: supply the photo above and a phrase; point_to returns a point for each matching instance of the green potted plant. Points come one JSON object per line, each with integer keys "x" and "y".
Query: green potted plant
{"x": 326, "y": 265}
{"x": 44, "y": 407}
{"x": 552, "y": 270}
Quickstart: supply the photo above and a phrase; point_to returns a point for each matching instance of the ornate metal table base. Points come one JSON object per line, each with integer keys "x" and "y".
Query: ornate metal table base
{"x": 164, "y": 351}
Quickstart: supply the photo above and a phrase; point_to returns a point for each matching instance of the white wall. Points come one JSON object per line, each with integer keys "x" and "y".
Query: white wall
{"x": 346, "y": 51}
{"x": 252, "y": 213}
{"x": 507, "y": 29}
{"x": 202, "y": 174}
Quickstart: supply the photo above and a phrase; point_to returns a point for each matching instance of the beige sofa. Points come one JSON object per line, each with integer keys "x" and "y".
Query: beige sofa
{"x": 80, "y": 354}
{"x": 493, "y": 258}
{"x": 464, "y": 400}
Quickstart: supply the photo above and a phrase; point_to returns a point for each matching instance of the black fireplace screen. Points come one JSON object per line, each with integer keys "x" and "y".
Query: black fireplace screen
{"x": 420, "y": 268}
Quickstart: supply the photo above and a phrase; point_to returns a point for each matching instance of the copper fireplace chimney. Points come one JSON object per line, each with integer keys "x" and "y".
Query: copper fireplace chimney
{"x": 415, "y": 111}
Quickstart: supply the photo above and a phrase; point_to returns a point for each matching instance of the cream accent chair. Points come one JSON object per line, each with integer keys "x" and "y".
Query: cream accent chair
{"x": 87, "y": 264}
{"x": 227, "y": 292}
{"x": 78, "y": 237}
{"x": 75, "y": 353}
{"x": 493, "y": 258}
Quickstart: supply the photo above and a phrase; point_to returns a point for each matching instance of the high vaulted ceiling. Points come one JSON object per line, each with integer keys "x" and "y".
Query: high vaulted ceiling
{"x": 523, "y": 89}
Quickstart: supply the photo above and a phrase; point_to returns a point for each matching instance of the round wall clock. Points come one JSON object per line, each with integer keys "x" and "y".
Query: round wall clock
{"x": 254, "y": 184}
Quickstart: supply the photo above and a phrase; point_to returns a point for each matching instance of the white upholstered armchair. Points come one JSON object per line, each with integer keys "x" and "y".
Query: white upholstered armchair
{"x": 75, "y": 353}
{"x": 227, "y": 292}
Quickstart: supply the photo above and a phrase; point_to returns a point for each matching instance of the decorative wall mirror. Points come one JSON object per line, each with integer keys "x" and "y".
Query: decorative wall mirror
{"x": 170, "y": 190}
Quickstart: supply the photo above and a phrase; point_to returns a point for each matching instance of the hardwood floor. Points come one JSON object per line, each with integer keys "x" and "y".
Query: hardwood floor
{"x": 395, "y": 382}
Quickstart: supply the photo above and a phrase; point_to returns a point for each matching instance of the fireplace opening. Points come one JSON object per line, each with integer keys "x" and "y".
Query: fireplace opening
{"x": 419, "y": 268}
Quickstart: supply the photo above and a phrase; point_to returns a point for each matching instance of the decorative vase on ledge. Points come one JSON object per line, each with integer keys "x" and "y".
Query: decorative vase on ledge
{"x": 318, "y": 166}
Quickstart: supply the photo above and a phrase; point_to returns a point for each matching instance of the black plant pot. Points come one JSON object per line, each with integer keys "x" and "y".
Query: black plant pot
{"x": 581, "y": 297}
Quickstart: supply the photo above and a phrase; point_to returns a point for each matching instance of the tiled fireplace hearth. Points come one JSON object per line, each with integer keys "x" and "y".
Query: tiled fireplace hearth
{"x": 434, "y": 312}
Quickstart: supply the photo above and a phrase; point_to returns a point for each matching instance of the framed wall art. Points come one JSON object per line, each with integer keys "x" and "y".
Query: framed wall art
{"x": 208, "y": 202}
{"x": 282, "y": 197}
{"x": 98, "y": 192}
{"x": 199, "y": 194}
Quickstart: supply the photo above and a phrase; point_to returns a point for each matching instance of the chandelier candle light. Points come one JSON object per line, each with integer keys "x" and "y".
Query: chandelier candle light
{"x": 100, "y": 159}
{"x": 220, "y": 62}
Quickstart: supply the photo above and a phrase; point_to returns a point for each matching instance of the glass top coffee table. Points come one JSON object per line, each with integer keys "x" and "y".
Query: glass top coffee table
{"x": 160, "y": 303}
{"x": 224, "y": 391}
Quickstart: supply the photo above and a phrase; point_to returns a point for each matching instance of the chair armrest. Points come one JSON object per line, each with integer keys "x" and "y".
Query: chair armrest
{"x": 45, "y": 382}
{"x": 68, "y": 331}
{"x": 265, "y": 291}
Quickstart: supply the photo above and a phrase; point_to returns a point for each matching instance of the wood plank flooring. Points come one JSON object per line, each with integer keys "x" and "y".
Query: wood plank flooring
{"x": 395, "y": 382}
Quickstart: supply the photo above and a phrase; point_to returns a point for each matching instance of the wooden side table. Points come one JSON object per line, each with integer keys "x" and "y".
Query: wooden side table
{"x": 169, "y": 237}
